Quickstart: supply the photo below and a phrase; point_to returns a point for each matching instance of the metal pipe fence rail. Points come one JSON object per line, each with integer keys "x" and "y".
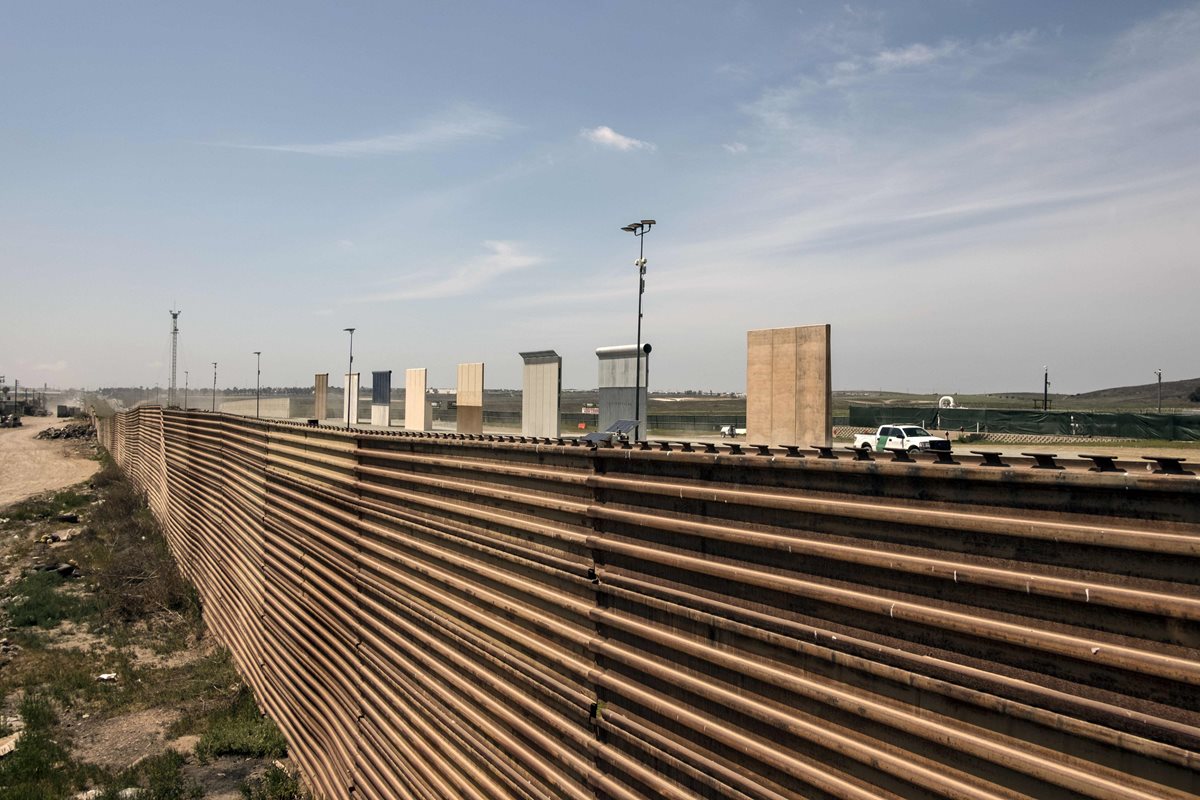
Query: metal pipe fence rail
{"x": 440, "y": 616}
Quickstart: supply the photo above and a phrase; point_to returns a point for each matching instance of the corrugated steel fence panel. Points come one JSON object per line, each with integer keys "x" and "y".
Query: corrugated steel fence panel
{"x": 438, "y": 617}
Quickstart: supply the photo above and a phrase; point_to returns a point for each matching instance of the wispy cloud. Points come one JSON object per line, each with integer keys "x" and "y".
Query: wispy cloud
{"x": 732, "y": 70}
{"x": 878, "y": 68}
{"x": 735, "y": 148}
{"x": 607, "y": 137}
{"x": 500, "y": 259}
{"x": 914, "y": 55}
{"x": 1126, "y": 138}
{"x": 460, "y": 124}
{"x": 52, "y": 366}
{"x": 594, "y": 292}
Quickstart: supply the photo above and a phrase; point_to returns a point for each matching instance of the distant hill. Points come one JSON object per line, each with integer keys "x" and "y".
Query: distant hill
{"x": 1175, "y": 394}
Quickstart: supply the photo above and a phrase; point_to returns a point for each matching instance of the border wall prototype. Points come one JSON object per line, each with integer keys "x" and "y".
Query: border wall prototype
{"x": 436, "y": 616}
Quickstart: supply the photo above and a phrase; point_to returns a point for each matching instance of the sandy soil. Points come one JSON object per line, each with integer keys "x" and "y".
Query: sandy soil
{"x": 120, "y": 741}
{"x": 29, "y": 466}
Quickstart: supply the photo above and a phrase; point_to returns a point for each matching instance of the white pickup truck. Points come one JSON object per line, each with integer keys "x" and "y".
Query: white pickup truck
{"x": 912, "y": 438}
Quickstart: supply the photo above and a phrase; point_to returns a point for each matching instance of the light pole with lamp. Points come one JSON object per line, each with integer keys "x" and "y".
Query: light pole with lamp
{"x": 349, "y": 378}
{"x": 214, "y": 402}
{"x": 1158, "y": 372}
{"x": 639, "y": 229}
{"x": 185, "y": 388}
{"x": 1045, "y": 387}
{"x": 257, "y": 381}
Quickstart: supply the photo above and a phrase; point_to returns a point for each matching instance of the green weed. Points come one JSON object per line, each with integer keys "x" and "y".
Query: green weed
{"x": 39, "y": 508}
{"x": 40, "y": 767}
{"x": 200, "y": 686}
{"x": 68, "y": 676}
{"x": 38, "y": 601}
{"x": 129, "y": 564}
{"x": 275, "y": 784}
{"x": 161, "y": 777}
{"x": 239, "y": 729}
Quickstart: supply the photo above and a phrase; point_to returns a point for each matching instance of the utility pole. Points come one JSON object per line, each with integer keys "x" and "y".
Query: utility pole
{"x": 214, "y": 402}
{"x": 257, "y": 381}
{"x": 1045, "y": 388}
{"x": 350, "y": 378}
{"x": 174, "y": 354}
{"x": 185, "y": 388}
{"x": 1158, "y": 372}
{"x": 639, "y": 229}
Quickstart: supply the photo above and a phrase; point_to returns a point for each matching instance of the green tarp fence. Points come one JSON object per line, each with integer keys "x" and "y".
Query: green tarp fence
{"x": 1176, "y": 427}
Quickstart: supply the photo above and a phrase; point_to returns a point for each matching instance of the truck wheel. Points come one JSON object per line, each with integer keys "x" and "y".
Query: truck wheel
{"x": 912, "y": 451}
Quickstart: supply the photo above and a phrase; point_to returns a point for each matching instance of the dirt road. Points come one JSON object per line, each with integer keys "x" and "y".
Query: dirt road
{"x": 29, "y": 466}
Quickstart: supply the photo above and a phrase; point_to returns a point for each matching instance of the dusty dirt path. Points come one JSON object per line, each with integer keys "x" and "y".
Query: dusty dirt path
{"x": 29, "y": 466}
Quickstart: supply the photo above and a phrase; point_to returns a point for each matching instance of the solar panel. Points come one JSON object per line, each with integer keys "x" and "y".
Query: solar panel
{"x": 619, "y": 430}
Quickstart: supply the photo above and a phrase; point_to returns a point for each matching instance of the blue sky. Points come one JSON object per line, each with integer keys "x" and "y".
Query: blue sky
{"x": 964, "y": 190}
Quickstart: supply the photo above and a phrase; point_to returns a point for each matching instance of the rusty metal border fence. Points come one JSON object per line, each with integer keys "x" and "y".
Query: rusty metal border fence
{"x": 431, "y": 616}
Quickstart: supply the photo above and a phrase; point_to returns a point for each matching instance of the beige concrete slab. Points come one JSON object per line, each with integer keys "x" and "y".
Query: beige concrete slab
{"x": 541, "y": 395}
{"x": 470, "y": 384}
{"x": 350, "y": 397}
{"x": 381, "y": 415}
{"x": 789, "y": 394}
{"x": 469, "y": 398}
{"x": 416, "y": 406}
{"x": 321, "y": 395}
{"x": 273, "y": 407}
{"x": 470, "y": 419}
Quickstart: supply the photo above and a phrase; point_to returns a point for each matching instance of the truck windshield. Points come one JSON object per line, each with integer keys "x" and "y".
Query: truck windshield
{"x": 915, "y": 432}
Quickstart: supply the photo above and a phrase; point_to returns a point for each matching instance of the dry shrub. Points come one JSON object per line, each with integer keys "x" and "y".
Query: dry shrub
{"x": 131, "y": 567}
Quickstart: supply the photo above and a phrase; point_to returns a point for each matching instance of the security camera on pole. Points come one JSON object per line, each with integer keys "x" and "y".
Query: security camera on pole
{"x": 257, "y": 382}
{"x": 349, "y": 376}
{"x": 639, "y": 229}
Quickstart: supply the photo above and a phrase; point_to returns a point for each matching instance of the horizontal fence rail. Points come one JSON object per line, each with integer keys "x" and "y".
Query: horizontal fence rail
{"x": 440, "y": 616}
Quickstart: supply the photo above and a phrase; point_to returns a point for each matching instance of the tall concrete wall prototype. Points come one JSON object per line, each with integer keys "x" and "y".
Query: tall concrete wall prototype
{"x": 416, "y": 406}
{"x": 789, "y": 395}
{"x": 381, "y": 398}
{"x": 273, "y": 407}
{"x": 350, "y": 398}
{"x": 618, "y": 379}
{"x": 541, "y": 393}
{"x": 321, "y": 395}
{"x": 470, "y": 398}
{"x": 432, "y": 618}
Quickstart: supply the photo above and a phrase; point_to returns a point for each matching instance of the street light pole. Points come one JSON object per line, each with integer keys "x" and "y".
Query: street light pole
{"x": 349, "y": 379}
{"x": 639, "y": 229}
{"x": 1158, "y": 372}
{"x": 214, "y": 402}
{"x": 257, "y": 381}
{"x": 1045, "y": 388}
{"x": 185, "y": 389}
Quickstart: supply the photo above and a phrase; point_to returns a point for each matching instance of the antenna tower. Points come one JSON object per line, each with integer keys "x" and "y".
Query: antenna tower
{"x": 174, "y": 353}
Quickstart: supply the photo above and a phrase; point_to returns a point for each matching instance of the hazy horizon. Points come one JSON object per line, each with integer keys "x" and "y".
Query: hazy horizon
{"x": 965, "y": 192}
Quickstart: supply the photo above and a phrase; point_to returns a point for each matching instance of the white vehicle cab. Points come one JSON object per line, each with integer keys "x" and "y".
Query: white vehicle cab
{"x": 912, "y": 438}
